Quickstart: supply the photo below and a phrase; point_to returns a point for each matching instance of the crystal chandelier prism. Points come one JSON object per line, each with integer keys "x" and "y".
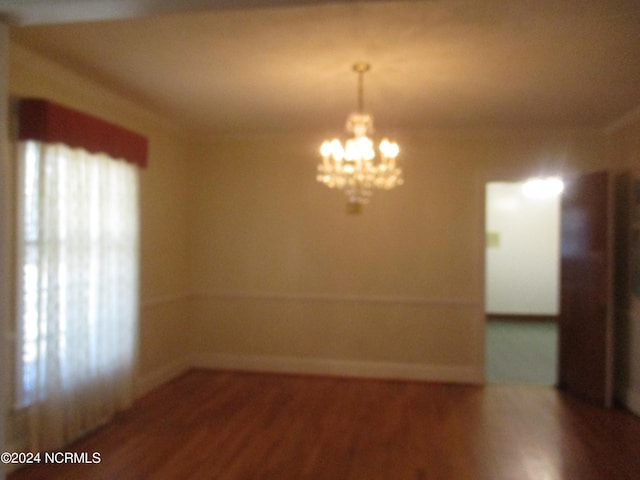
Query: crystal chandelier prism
{"x": 352, "y": 166}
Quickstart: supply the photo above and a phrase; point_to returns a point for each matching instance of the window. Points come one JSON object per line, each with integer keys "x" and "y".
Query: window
{"x": 77, "y": 253}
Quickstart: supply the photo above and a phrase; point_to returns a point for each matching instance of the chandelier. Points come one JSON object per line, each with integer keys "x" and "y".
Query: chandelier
{"x": 352, "y": 166}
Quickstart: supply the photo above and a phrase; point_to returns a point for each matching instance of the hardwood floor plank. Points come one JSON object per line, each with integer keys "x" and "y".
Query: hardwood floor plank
{"x": 241, "y": 426}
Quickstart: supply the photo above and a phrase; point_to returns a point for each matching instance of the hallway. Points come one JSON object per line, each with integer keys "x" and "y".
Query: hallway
{"x": 520, "y": 352}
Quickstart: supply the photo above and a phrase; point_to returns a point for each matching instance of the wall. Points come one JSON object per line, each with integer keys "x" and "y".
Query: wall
{"x": 522, "y": 265}
{"x": 284, "y": 279}
{"x": 624, "y": 152}
{"x": 163, "y": 205}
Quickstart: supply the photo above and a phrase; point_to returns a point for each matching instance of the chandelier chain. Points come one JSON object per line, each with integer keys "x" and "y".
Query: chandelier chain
{"x": 360, "y": 92}
{"x": 361, "y": 68}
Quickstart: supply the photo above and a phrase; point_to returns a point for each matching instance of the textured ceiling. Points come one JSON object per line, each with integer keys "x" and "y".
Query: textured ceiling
{"x": 438, "y": 63}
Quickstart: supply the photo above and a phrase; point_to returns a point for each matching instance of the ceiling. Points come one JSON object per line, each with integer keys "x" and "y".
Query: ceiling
{"x": 250, "y": 67}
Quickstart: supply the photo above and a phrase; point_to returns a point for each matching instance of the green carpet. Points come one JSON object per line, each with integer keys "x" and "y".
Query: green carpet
{"x": 521, "y": 352}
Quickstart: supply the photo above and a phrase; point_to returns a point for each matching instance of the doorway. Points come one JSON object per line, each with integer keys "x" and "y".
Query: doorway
{"x": 522, "y": 263}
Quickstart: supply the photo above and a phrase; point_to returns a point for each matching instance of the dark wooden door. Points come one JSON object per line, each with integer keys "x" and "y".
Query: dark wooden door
{"x": 586, "y": 288}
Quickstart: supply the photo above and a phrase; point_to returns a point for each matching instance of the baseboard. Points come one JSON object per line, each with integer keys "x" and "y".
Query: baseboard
{"x": 160, "y": 376}
{"x": 516, "y": 317}
{"x": 341, "y": 368}
{"x": 632, "y": 401}
{"x": 310, "y": 366}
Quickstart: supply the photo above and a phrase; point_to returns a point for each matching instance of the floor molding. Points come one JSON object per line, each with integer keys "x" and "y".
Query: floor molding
{"x": 146, "y": 383}
{"x": 342, "y": 368}
{"x": 516, "y": 317}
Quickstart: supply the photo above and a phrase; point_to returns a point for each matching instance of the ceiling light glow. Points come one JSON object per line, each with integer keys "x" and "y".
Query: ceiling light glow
{"x": 543, "y": 187}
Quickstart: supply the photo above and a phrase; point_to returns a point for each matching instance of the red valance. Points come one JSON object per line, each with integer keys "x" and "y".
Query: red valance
{"x": 49, "y": 122}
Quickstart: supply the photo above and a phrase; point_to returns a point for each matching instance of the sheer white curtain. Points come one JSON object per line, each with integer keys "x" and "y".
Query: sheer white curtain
{"x": 77, "y": 289}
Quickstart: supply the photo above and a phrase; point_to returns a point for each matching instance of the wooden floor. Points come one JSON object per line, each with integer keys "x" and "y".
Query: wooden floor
{"x": 225, "y": 425}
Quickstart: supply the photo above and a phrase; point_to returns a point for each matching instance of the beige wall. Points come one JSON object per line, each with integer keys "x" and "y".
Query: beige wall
{"x": 286, "y": 280}
{"x": 163, "y": 206}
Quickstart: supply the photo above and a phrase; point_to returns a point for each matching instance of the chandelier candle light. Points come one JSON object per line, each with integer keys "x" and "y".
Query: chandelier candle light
{"x": 352, "y": 167}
